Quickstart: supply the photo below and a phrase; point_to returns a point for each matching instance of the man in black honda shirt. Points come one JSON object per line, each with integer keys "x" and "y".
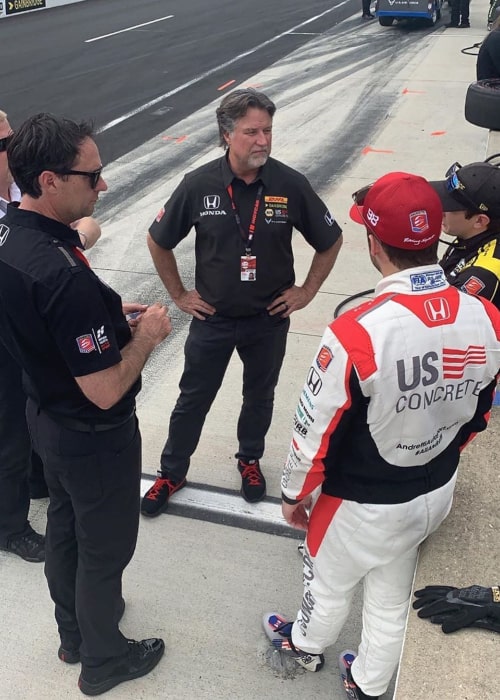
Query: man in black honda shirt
{"x": 470, "y": 196}
{"x": 243, "y": 208}
{"x": 81, "y": 363}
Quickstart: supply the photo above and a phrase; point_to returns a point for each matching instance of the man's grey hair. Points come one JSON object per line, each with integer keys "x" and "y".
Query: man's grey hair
{"x": 235, "y": 105}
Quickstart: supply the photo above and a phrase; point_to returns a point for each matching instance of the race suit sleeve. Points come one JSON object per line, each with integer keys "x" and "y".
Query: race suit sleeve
{"x": 479, "y": 420}
{"x": 324, "y": 401}
{"x": 479, "y": 280}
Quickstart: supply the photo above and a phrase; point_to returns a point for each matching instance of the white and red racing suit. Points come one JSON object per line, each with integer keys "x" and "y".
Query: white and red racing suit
{"x": 398, "y": 386}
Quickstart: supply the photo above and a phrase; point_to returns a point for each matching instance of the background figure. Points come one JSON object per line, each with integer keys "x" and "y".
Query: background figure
{"x": 488, "y": 58}
{"x": 459, "y": 14}
{"x": 397, "y": 389}
{"x": 21, "y": 469}
{"x": 81, "y": 362}
{"x": 365, "y": 4}
{"x": 243, "y": 207}
{"x": 470, "y": 197}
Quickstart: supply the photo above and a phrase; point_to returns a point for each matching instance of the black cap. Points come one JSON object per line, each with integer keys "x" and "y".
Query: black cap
{"x": 481, "y": 183}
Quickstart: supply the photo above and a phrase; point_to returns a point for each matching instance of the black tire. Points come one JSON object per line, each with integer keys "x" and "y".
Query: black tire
{"x": 482, "y": 104}
{"x": 386, "y": 21}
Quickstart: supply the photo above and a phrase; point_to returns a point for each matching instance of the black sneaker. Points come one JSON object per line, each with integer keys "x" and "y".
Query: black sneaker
{"x": 253, "y": 484}
{"x": 464, "y": 25}
{"x": 142, "y": 657}
{"x": 29, "y": 545}
{"x": 156, "y": 498}
{"x": 368, "y": 16}
{"x": 71, "y": 654}
{"x": 279, "y": 632}
{"x": 451, "y": 25}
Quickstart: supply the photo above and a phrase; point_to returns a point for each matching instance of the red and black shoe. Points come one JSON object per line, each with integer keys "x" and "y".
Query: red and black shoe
{"x": 156, "y": 498}
{"x": 253, "y": 484}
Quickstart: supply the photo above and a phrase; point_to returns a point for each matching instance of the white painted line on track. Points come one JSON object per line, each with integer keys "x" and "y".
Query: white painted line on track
{"x": 207, "y": 73}
{"x": 228, "y": 508}
{"x": 128, "y": 29}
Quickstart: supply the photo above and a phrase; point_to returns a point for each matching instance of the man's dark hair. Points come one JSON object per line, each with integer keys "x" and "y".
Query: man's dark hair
{"x": 44, "y": 142}
{"x": 404, "y": 259}
{"x": 493, "y": 225}
{"x": 235, "y": 105}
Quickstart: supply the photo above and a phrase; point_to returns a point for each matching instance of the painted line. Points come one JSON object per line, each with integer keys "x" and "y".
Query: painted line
{"x": 207, "y": 73}
{"x": 226, "y": 85}
{"x": 226, "y": 507}
{"x": 128, "y": 29}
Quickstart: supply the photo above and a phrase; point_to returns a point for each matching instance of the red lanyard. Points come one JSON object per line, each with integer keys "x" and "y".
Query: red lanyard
{"x": 80, "y": 255}
{"x": 251, "y": 228}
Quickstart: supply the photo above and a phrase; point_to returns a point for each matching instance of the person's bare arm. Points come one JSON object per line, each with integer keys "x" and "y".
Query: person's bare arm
{"x": 88, "y": 230}
{"x": 188, "y": 301}
{"x": 106, "y": 388}
{"x": 295, "y": 297}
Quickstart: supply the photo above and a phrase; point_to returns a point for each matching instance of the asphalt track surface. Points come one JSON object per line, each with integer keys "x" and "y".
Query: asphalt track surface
{"x": 137, "y": 68}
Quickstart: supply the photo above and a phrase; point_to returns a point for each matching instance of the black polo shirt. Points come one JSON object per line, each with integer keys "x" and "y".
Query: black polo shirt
{"x": 57, "y": 318}
{"x": 202, "y": 200}
{"x": 473, "y": 265}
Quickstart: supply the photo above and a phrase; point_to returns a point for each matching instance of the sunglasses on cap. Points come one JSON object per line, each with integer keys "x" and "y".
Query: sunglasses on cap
{"x": 454, "y": 184}
{"x": 359, "y": 196}
{"x": 93, "y": 175}
{"x": 5, "y": 142}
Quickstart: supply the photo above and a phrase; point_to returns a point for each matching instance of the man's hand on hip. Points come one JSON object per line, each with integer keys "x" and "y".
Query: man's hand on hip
{"x": 191, "y": 303}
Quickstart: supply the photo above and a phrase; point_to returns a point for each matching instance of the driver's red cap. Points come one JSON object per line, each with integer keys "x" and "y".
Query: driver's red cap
{"x": 401, "y": 210}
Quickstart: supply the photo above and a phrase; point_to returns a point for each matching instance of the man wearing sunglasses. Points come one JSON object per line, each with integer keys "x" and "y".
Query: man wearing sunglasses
{"x": 21, "y": 470}
{"x": 398, "y": 387}
{"x": 470, "y": 197}
{"x": 82, "y": 363}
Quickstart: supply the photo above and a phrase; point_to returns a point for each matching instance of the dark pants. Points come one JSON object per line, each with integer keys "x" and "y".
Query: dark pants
{"x": 365, "y": 4}
{"x": 15, "y": 450}
{"x": 459, "y": 11}
{"x": 260, "y": 342}
{"x": 92, "y": 523}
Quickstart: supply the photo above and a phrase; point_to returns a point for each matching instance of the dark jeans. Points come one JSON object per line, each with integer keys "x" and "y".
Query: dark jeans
{"x": 15, "y": 450}
{"x": 459, "y": 11}
{"x": 92, "y": 523}
{"x": 260, "y": 342}
{"x": 365, "y": 4}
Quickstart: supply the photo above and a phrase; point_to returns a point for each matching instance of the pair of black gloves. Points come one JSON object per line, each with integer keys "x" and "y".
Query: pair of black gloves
{"x": 454, "y": 608}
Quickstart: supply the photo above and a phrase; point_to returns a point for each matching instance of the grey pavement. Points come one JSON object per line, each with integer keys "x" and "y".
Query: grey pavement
{"x": 203, "y": 585}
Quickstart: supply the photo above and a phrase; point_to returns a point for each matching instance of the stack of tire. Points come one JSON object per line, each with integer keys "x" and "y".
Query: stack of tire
{"x": 482, "y": 103}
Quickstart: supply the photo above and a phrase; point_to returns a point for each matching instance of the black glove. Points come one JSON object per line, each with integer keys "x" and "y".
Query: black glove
{"x": 454, "y": 608}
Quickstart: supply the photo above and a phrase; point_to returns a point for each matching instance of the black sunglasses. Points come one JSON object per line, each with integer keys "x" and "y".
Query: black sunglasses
{"x": 360, "y": 195}
{"x": 94, "y": 176}
{"x": 454, "y": 184}
{"x": 5, "y": 142}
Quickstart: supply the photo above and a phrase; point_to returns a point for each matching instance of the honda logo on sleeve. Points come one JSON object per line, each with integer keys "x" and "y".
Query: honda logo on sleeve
{"x": 211, "y": 201}
{"x": 314, "y": 382}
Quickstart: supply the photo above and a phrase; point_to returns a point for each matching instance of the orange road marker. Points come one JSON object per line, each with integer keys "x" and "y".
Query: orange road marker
{"x": 369, "y": 149}
{"x": 177, "y": 139}
{"x": 226, "y": 85}
{"x": 407, "y": 92}
{"x": 438, "y": 133}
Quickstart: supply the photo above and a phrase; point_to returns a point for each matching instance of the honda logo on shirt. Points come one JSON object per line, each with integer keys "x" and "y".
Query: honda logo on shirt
{"x": 4, "y": 232}
{"x": 437, "y": 309}
{"x": 211, "y": 201}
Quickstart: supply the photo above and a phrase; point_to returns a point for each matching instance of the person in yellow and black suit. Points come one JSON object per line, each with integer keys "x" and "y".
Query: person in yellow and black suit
{"x": 470, "y": 196}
